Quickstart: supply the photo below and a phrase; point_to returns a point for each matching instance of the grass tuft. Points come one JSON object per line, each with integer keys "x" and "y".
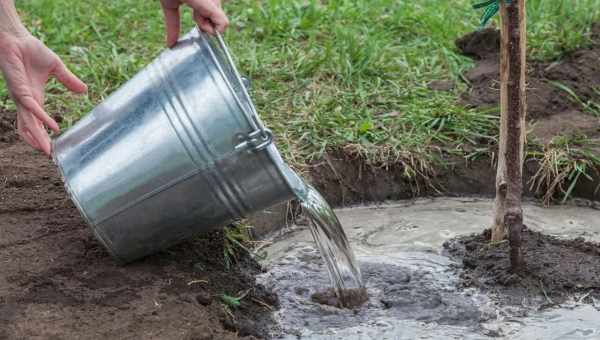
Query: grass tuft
{"x": 236, "y": 239}
{"x": 231, "y": 302}
{"x": 590, "y": 106}
{"x": 562, "y": 164}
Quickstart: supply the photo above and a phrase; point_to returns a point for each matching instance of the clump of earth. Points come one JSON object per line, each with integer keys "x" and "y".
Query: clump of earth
{"x": 348, "y": 298}
{"x": 550, "y": 109}
{"x": 555, "y": 271}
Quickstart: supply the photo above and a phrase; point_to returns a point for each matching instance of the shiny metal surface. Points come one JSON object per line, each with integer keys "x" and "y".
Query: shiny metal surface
{"x": 176, "y": 151}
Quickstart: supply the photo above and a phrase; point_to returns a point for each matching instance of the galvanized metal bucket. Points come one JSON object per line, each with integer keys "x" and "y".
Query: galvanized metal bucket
{"x": 176, "y": 151}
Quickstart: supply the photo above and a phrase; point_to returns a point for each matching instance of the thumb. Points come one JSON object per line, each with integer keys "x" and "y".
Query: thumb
{"x": 210, "y": 11}
{"x": 68, "y": 79}
{"x": 219, "y": 19}
{"x": 172, "y": 23}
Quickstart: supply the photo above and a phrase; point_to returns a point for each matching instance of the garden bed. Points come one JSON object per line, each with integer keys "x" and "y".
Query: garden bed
{"x": 58, "y": 282}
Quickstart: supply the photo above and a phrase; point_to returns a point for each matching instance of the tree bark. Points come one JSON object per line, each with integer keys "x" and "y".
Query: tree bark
{"x": 508, "y": 213}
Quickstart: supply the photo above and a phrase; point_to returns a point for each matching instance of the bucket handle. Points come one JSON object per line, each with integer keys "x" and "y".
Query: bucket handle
{"x": 266, "y": 134}
{"x": 252, "y": 142}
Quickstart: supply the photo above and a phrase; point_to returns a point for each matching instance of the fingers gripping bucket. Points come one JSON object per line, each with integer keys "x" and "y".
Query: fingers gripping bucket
{"x": 176, "y": 151}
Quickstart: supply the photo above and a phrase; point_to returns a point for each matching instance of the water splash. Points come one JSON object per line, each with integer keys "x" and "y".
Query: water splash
{"x": 334, "y": 247}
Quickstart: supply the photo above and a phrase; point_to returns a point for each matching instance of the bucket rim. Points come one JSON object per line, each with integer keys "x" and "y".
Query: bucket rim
{"x": 290, "y": 178}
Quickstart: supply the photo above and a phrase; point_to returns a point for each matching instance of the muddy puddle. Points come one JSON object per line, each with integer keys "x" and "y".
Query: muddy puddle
{"x": 414, "y": 287}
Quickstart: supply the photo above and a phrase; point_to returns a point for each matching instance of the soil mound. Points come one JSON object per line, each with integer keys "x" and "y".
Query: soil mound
{"x": 578, "y": 71}
{"x": 351, "y": 298}
{"x": 480, "y": 44}
{"x": 556, "y": 269}
{"x": 58, "y": 282}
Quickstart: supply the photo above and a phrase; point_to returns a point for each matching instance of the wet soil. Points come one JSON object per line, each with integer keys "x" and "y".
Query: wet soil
{"x": 415, "y": 290}
{"x": 413, "y": 286}
{"x": 350, "y": 298}
{"x": 57, "y": 282}
{"x": 556, "y": 269}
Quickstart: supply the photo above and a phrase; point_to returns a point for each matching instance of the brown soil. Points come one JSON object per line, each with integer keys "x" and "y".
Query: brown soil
{"x": 7, "y": 129}
{"x": 547, "y": 105}
{"x": 57, "y": 282}
{"x": 556, "y": 269}
{"x": 346, "y": 179}
{"x": 350, "y": 298}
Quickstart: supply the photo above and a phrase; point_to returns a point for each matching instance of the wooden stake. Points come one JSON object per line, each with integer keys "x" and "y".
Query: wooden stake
{"x": 508, "y": 213}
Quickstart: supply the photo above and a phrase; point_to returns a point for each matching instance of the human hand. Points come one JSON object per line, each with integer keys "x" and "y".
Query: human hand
{"x": 27, "y": 65}
{"x": 207, "y": 14}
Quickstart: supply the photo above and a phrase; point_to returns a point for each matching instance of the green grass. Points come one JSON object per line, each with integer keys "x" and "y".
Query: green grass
{"x": 326, "y": 74}
{"x": 229, "y": 302}
{"x": 236, "y": 240}
{"x": 237, "y": 243}
{"x": 590, "y": 106}
{"x": 233, "y": 301}
{"x": 563, "y": 163}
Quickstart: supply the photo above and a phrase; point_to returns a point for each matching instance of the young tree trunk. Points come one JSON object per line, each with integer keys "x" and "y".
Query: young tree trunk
{"x": 508, "y": 213}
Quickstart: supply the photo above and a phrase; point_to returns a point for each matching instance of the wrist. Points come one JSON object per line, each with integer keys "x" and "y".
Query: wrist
{"x": 10, "y": 24}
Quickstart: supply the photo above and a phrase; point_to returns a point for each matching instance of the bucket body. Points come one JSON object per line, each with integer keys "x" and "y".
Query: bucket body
{"x": 176, "y": 151}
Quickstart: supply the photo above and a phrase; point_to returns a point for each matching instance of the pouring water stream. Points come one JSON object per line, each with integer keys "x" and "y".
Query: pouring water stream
{"x": 334, "y": 247}
{"x": 325, "y": 227}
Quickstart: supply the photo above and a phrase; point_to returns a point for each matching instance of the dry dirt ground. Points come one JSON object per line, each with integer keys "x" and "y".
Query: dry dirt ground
{"x": 57, "y": 282}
